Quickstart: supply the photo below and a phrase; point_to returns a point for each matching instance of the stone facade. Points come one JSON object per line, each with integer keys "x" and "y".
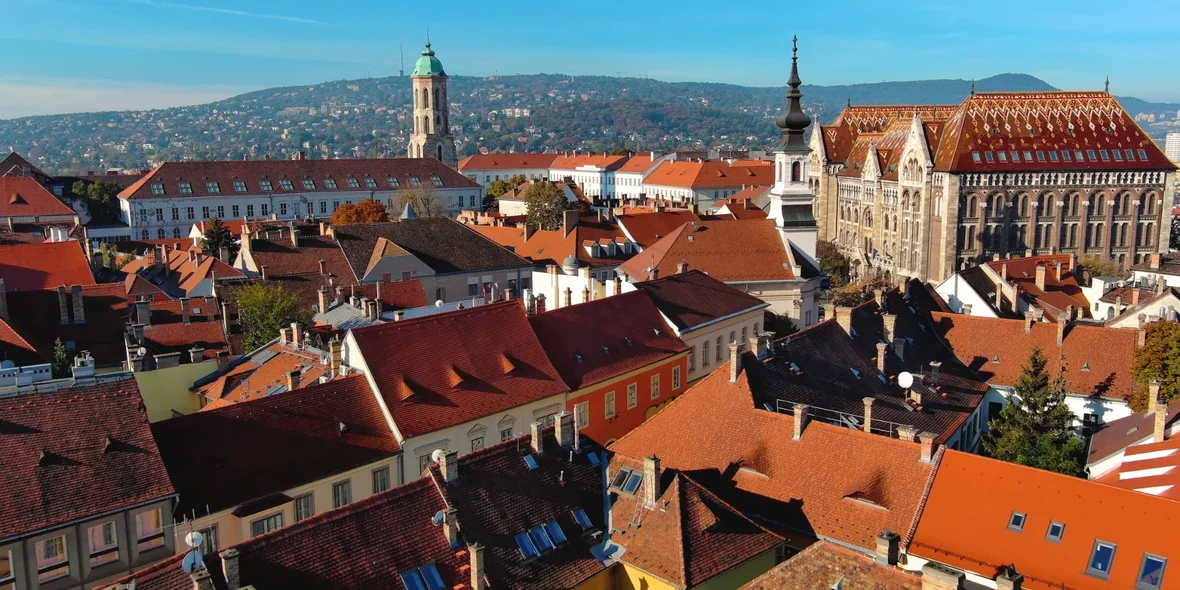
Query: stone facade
{"x": 432, "y": 126}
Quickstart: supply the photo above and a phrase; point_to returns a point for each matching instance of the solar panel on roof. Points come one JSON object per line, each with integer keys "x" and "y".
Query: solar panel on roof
{"x": 541, "y": 538}
{"x": 555, "y": 532}
{"x": 525, "y": 544}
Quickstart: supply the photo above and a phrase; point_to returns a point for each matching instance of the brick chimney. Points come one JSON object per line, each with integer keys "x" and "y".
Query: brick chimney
{"x": 868, "y": 421}
{"x": 448, "y": 467}
{"x": 323, "y": 299}
{"x": 536, "y": 434}
{"x": 3, "y": 302}
{"x": 618, "y": 285}
{"x": 284, "y": 336}
{"x": 800, "y": 420}
{"x": 881, "y": 348}
{"x": 653, "y": 273}
{"x": 201, "y": 579}
{"x": 888, "y": 325}
{"x": 1135, "y": 296}
{"x": 478, "y": 579}
{"x": 293, "y": 379}
{"x": 844, "y": 318}
{"x": 1030, "y": 318}
{"x": 569, "y": 220}
{"x": 569, "y": 297}
{"x": 936, "y": 576}
{"x": 1161, "y": 421}
{"x": 1008, "y": 578}
{"x": 336, "y": 354}
{"x": 451, "y": 526}
{"x": 906, "y": 432}
{"x": 585, "y": 294}
{"x": 1061, "y": 324}
{"x": 682, "y": 267}
{"x": 229, "y": 568}
{"x": 651, "y": 480}
{"x": 540, "y": 307}
{"x": 1153, "y": 395}
{"x": 735, "y": 364}
{"x": 79, "y": 308}
{"x": 63, "y": 306}
{"x": 1155, "y": 261}
{"x": 339, "y": 294}
{"x": 184, "y": 311}
{"x": 888, "y": 546}
{"x": 1041, "y": 272}
{"x": 926, "y": 439}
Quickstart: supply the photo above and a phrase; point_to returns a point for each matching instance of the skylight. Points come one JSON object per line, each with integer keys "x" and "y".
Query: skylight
{"x": 541, "y": 538}
{"x": 1052, "y": 156}
{"x": 1143, "y": 155}
{"x": 582, "y": 520}
{"x": 393, "y": 183}
{"x": 1016, "y": 521}
{"x": 1015, "y": 156}
{"x": 431, "y": 577}
{"x": 1118, "y": 155}
{"x": 530, "y": 462}
{"x": 527, "y": 550}
{"x": 1101, "y": 557}
{"x": 555, "y": 532}
{"x": 1065, "y": 155}
{"x": 1040, "y": 156}
{"x": 353, "y": 183}
{"x": 1105, "y": 155}
{"x": 975, "y": 157}
{"x": 412, "y": 580}
{"x": 1056, "y": 529}
{"x": 593, "y": 458}
{"x": 240, "y": 186}
{"x": 286, "y": 185}
{"x": 1028, "y": 156}
{"x": 1151, "y": 573}
{"x": 1077, "y": 156}
{"x": 1091, "y": 156}
{"x": 1003, "y": 156}
{"x": 186, "y": 188}
{"x": 627, "y": 480}
{"x": 213, "y": 187}
{"x": 989, "y": 157}
{"x": 309, "y": 184}
{"x": 370, "y": 182}
{"x": 1130, "y": 155}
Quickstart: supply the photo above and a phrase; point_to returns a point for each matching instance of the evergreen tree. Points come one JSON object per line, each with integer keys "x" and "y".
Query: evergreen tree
{"x": 61, "y": 361}
{"x": 216, "y": 236}
{"x": 1035, "y": 428}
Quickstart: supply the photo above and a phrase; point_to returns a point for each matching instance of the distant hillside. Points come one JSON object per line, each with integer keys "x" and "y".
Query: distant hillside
{"x": 371, "y": 117}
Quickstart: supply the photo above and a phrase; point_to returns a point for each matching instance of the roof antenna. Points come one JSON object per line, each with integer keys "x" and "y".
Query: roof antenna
{"x": 849, "y": 102}
{"x": 1108, "y": 84}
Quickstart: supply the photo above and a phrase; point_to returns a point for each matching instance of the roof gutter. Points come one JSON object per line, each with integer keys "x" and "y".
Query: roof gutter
{"x": 723, "y": 318}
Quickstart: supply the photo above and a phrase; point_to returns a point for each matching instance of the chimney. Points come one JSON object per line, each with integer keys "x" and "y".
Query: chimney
{"x": 323, "y": 299}
{"x": 540, "y": 303}
{"x": 1135, "y": 296}
{"x": 868, "y": 421}
{"x": 1118, "y": 304}
{"x": 225, "y": 254}
{"x": 936, "y": 576}
{"x": 927, "y": 441}
{"x": 906, "y": 432}
{"x": 965, "y": 309}
{"x": 448, "y": 467}
{"x": 881, "y": 348}
{"x": 1061, "y": 323}
{"x": 450, "y": 526}
{"x": 196, "y": 354}
{"x": 569, "y": 297}
{"x": 800, "y": 420}
{"x": 879, "y": 297}
{"x": 229, "y": 568}
{"x": 569, "y": 220}
{"x": 536, "y": 434}
{"x": 755, "y": 344}
{"x": 143, "y": 312}
{"x": 63, "y": 306}
{"x": 844, "y": 318}
{"x": 565, "y": 429}
{"x": 1030, "y": 318}
{"x": 1161, "y": 421}
{"x": 79, "y": 309}
{"x": 262, "y": 269}
{"x": 888, "y": 323}
{"x": 184, "y": 311}
{"x": 478, "y": 580}
{"x": 682, "y": 267}
{"x": 585, "y": 294}
{"x": 618, "y": 286}
{"x": 1041, "y": 271}
{"x": 323, "y": 266}
{"x": 1140, "y": 337}
{"x": 1153, "y": 395}
{"x": 225, "y": 317}
{"x": 399, "y": 315}
{"x": 202, "y": 580}
{"x": 1009, "y": 579}
{"x": 4, "y": 301}
{"x": 339, "y": 294}
{"x": 294, "y": 234}
{"x": 293, "y": 379}
{"x": 1058, "y": 265}
{"x": 284, "y": 336}
{"x": 651, "y": 480}
{"x": 653, "y": 274}
{"x": 888, "y": 546}
{"x": 222, "y": 360}
{"x": 735, "y": 365}
{"x": 1000, "y": 295}
{"x": 530, "y": 302}
{"x": 1155, "y": 261}
{"x": 1004, "y": 272}
{"x": 336, "y": 354}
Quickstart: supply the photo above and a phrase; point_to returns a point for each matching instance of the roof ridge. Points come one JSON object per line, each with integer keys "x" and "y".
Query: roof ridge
{"x": 935, "y": 463}
{"x": 440, "y": 317}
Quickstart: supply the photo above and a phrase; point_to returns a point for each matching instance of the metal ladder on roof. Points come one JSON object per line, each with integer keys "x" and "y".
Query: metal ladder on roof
{"x": 641, "y": 507}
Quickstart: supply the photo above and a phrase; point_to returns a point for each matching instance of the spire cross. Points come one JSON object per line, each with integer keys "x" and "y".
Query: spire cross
{"x": 795, "y": 47}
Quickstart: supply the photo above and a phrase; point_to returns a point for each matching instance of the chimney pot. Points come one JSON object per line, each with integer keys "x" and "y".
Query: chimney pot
{"x": 1155, "y": 261}
{"x": 569, "y": 297}
{"x": 296, "y": 333}
{"x": 651, "y": 480}
{"x": 1004, "y": 272}
{"x": 262, "y": 270}
{"x": 449, "y": 466}
{"x": 566, "y": 430}
{"x": 879, "y": 297}
{"x": 966, "y": 309}
{"x": 323, "y": 299}
{"x": 323, "y": 266}
{"x": 653, "y": 274}
{"x": 1140, "y": 337}
{"x": 202, "y": 580}
{"x": 888, "y": 546}
{"x": 927, "y": 441}
{"x": 537, "y": 436}
{"x": 284, "y": 336}
{"x": 682, "y": 267}
{"x": 800, "y": 420}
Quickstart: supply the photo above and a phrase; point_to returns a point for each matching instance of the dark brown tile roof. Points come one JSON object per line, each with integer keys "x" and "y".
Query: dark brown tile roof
{"x": 694, "y": 298}
{"x": 1118, "y": 434}
{"x": 76, "y": 453}
{"x": 826, "y": 565}
{"x": 37, "y": 318}
{"x": 444, "y": 245}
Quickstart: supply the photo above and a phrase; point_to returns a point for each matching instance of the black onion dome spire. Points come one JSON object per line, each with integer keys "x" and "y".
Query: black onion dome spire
{"x": 794, "y": 122}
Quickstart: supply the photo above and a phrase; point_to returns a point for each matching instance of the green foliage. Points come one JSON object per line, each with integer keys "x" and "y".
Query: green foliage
{"x": 102, "y": 200}
{"x": 620, "y": 151}
{"x": 1159, "y": 359}
{"x": 1034, "y": 429}
{"x": 266, "y": 309}
{"x": 832, "y": 262}
{"x": 546, "y": 204}
{"x": 62, "y": 364}
{"x": 1102, "y": 267}
{"x": 108, "y": 252}
{"x": 216, "y": 237}
{"x": 499, "y": 187}
{"x": 780, "y": 325}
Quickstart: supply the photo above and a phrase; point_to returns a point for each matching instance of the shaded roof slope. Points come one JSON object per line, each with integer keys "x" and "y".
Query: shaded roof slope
{"x": 693, "y": 298}
{"x": 444, "y": 245}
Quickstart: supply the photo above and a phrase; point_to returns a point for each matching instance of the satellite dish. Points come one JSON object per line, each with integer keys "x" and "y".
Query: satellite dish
{"x": 192, "y": 562}
{"x": 437, "y": 455}
{"x": 905, "y": 379}
{"x": 194, "y": 539}
{"x": 141, "y": 352}
{"x": 438, "y": 303}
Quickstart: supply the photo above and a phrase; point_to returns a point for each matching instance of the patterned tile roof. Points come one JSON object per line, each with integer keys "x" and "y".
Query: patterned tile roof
{"x": 76, "y": 453}
{"x": 1152, "y": 468}
{"x": 22, "y": 196}
{"x": 464, "y": 365}
{"x": 729, "y": 250}
{"x": 224, "y": 457}
{"x": 44, "y": 266}
{"x": 598, "y": 340}
{"x": 825, "y": 565}
{"x": 839, "y": 137}
{"x": 693, "y": 298}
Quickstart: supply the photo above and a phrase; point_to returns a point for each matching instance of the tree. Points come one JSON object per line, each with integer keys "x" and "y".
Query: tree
{"x": 102, "y": 200}
{"x": 832, "y": 262}
{"x": 545, "y": 203}
{"x": 425, "y": 201}
{"x": 265, "y": 309}
{"x": 854, "y": 294}
{"x": 1159, "y": 359}
{"x": 780, "y": 325}
{"x": 499, "y": 187}
{"x": 1034, "y": 429}
{"x": 1101, "y": 267}
{"x": 216, "y": 237}
{"x": 61, "y": 361}
{"x": 1174, "y": 237}
{"x": 366, "y": 211}
{"x": 620, "y": 151}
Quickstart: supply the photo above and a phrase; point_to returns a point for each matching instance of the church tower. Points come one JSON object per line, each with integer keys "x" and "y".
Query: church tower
{"x": 432, "y": 127}
{"x": 791, "y": 198}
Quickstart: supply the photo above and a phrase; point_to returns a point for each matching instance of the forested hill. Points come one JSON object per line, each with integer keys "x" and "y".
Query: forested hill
{"x": 371, "y": 117}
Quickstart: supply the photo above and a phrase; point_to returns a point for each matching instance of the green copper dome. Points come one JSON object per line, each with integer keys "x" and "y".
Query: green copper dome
{"x": 428, "y": 65}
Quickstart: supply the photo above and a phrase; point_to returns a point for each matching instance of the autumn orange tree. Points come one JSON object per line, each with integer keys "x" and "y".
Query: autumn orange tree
{"x": 366, "y": 211}
{"x": 1158, "y": 359}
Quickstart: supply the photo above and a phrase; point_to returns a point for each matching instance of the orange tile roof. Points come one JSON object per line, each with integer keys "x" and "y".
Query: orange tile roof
{"x": 709, "y": 174}
{"x": 640, "y": 162}
{"x": 729, "y": 250}
{"x": 510, "y": 237}
{"x": 22, "y": 196}
{"x": 839, "y": 137}
{"x": 648, "y": 227}
{"x": 507, "y": 162}
{"x": 1058, "y": 294}
{"x": 553, "y": 246}
{"x": 572, "y": 162}
{"x": 752, "y": 450}
{"x": 44, "y": 266}
{"x": 825, "y": 565}
{"x": 965, "y": 524}
{"x": 1098, "y": 359}
{"x": 14, "y": 347}
{"x": 253, "y": 379}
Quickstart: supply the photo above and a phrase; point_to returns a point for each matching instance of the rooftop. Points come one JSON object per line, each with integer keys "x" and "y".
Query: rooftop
{"x": 44, "y": 266}
{"x": 23, "y": 196}
{"x": 826, "y": 565}
{"x": 730, "y": 251}
{"x": 444, "y": 245}
{"x": 692, "y": 299}
{"x": 507, "y": 162}
{"x": 705, "y": 174}
{"x": 647, "y": 228}
{"x": 1119, "y": 434}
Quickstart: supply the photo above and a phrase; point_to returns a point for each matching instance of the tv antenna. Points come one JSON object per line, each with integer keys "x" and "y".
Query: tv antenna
{"x": 401, "y": 72}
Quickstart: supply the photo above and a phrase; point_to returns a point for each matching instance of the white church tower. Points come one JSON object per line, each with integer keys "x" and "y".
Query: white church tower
{"x": 791, "y": 198}
{"x": 432, "y": 127}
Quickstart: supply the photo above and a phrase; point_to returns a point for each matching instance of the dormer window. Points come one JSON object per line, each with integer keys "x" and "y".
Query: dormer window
{"x": 286, "y": 184}
{"x": 353, "y": 183}
{"x": 393, "y": 183}
{"x": 582, "y": 520}
{"x": 415, "y": 181}
{"x": 627, "y": 480}
{"x": 157, "y": 188}
{"x": 309, "y": 184}
{"x": 186, "y": 188}
{"x": 330, "y": 183}
{"x": 1105, "y": 155}
{"x": 975, "y": 157}
{"x": 434, "y": 179}
{"x": 266, "y": 186}
{"x": 239, "y": 186}
{"x": 989, "y": 157}
{"x": 1065, "y": 157}
{"x": 1143, "y": 155}
{"x": 213, "y": 187}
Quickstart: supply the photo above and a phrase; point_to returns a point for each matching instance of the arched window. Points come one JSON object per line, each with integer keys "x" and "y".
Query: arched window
{"x": 160, "y": 233}
{"x": 917, "y": 201}
{"x": 971, "y": 207}
{"x": 868, "y": 217}
{"x": 176, "y": 232}
{"x": 425, "y": 98}
{"x": 917, "y": 231}
{"x": 436, "y": 100}
{"x": 1023, "y": 210}
{"x": 440, "y": 151}
{"x": 796, "y": 171}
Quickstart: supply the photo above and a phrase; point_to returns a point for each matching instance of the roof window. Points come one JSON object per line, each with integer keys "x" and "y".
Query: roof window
{"x": 555, "y": 532}
{"x": 1015, "y": 156}
{"x": 239, "y": 186}
{"x": 393, "y": 183}
{"x": 330, "y": 183}
{"x": 996, "y": 359}
{"x": 1143, "y": 155}
{"x": 582, "y": 520}
{"x": 1065, "y": 157}
{"x": 415, "y": 181}
{"x": 309, "y": 184}
{"x": 436, "y": 180}
{"x": 593, "y": 458}
{"x": 541, "y": 538}
{"x": 213, "y": 186}
{"x": 370, "y": 182}
{"x": 1130, "y": 155}
{"x": 1151, "y": 572}
{"x": 975, "y": 157}
{"x": 1056, "y": 529}
{"x": 1105, "y": 155}
{"x": 186, "y": 188}
{"x": 286, "y": 184}
{"x": 627, "y": 480}
{"x": 989, "y": 156}
{"x": 1016, "y": 521}
{"x": 528, "y": 551}
{"x": 1052, "y": 156}
{"x": 1118, "y": 155}
{"x": 530, "y": 462}
{"x": 422, "y": 578}
{"x": 266, "y": 186}
{"x": 157, "y": 188}
{"x": 353, "y": 183}
{"x": 1040, "y": 156}
{"x": 1003, "y": 156}
{"x": 1090, "y": 155}
{"x": 1077, "y": 156}
{"x": 1101, "y": 557}
{"x": 1086, "y": 367}
{"x": 1028, "y": 156}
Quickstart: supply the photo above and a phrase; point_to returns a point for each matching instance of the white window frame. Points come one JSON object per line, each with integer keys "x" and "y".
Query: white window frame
{"x": 676, "y": 378}
{"x": 59, "y": 567}
{"x": 388, "y": 479}
{"x": 609, "y": 404}
{"x": 632, "y": 395}
{"x": 342, "y": 490}
{"x": 655, "y": 386}
{"x": 582, "y": 413}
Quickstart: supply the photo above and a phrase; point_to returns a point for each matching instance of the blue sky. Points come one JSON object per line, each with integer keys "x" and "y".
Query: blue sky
{"x": 70, "y": 55}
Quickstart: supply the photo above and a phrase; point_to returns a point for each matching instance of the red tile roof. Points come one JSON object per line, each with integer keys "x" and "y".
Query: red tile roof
{"x": 599, "y": 340}
{"x": 1152, "y": 468}
{"x": 252, "y": 172}
{"x": 224, "y": 457}
{"x": 648, "y": 228}
{"x": 753, "y": 453}
{"x": 509, "y": 237}
{"x": 1058, "y": 294}
{"x": 38, "y": 321}
{"x": 22, "y": 196}
{"x": 44, "y": 266}
{"x": 467, "y": 364}
{"x": 978, "y": 539}
{"x": 825, "y": 565}
{"x": 76, "y": 453}
{"x": 701, "y": 174}
{"x": 282, "y": 258}
{"x": 729, "y": 250}
{"x": 554, "y": 246}
{"x": 165, "y": 575}
{"x": 691, "y": 536}
{"x": 14, "y": 347}
{"x": 168, "y": 332}
{"x": 572, "y": 162}
{"x": 640, "y": 162}
{"x": 507, "y": 162}
{"x": 694, "y": 298}
{"x": 1098, "y": 359}
{"x": 259, "y": 374}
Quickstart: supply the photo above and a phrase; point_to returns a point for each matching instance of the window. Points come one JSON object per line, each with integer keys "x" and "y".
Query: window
{"x": 1130, "y": 155}
{"x": 541, "y": 538}
{"x": 423, "y": 578}
{"x": 380, "y": 480}
{"x": 213, "y": 187}
{"x": 528, "y": 551}
{"x": 304, "y": 506}
{"x": 249, "y": 210}
{"x": 705, "y": 353}
{"x": 204, "y": 213}
{"x": 476, "y": 443}
{"x": 505, "y": 434}
{"x": 632, "y": 395}
{"x": 266, "y": 525}
{"x": 209, "y": 542}
{"x": 1065, "y": 157}
{"x": 1118, "y": 155}
{"x": 352, "y": 183}
{"x": 240, "y": 186}
{"x": 7, "y": 575}
{"x": 1151, "y": 572}
{"x": 370, "y": 182}
{"x": 323, "y": 206}
{"x": 149, "y": 530}
{"x": 555, "y": 532}
{"x": 175, "y": 214}
{"x": 1078, "y": 157}
{"x": 1104, "y": 154}
{"x": 330, "y": 183}
{"x": 627, "y": 480}
{"x": 1027, "y": 156}
{"x": 675, "y": 378}
{"x": 186, "y": 188}
{"x": 1052, "y": 156}
{"x": 436, "y": 180}
{"x": 424, "y": 462}
{"x": 393, "y": 183}
{"x": 610, "y": 404}
{"x": 237, "y": 211}
{"x": 582, "y": 520}
{"x": 335, "y": 206}
{"x": 470, "y": 200}
{"x": 52, "y": 561}
{"x": 472, "y": 289}
{"x": 1090, "y": 154}
{"x": 1040, "y": 156}
{"x": 342, "y": 494}
{"x": 718, "y": 353}
{"x": 267, "y": 187}
{"x": 1143, "y": 155}
{"x": 1056, "y": 529}
{"x": 221, "y": 211}
{"x": 282, "y": 209}
{"x": 1016, "y": 521}
{"x": 1003, "y": 156}
{"x": 309, "y": 184}
{"x": 1100, "y": 559}
{"x": 415, "y": 181}
{"x": 989, "y": 157}
{"x": 104, "y": 546}
{"x": 190, "y": 213}
{"x": 157, "y": 188}
{"x": 582, "y": 414}
{"x": 975, "y": 157}
{"x": 655, "y": 386}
